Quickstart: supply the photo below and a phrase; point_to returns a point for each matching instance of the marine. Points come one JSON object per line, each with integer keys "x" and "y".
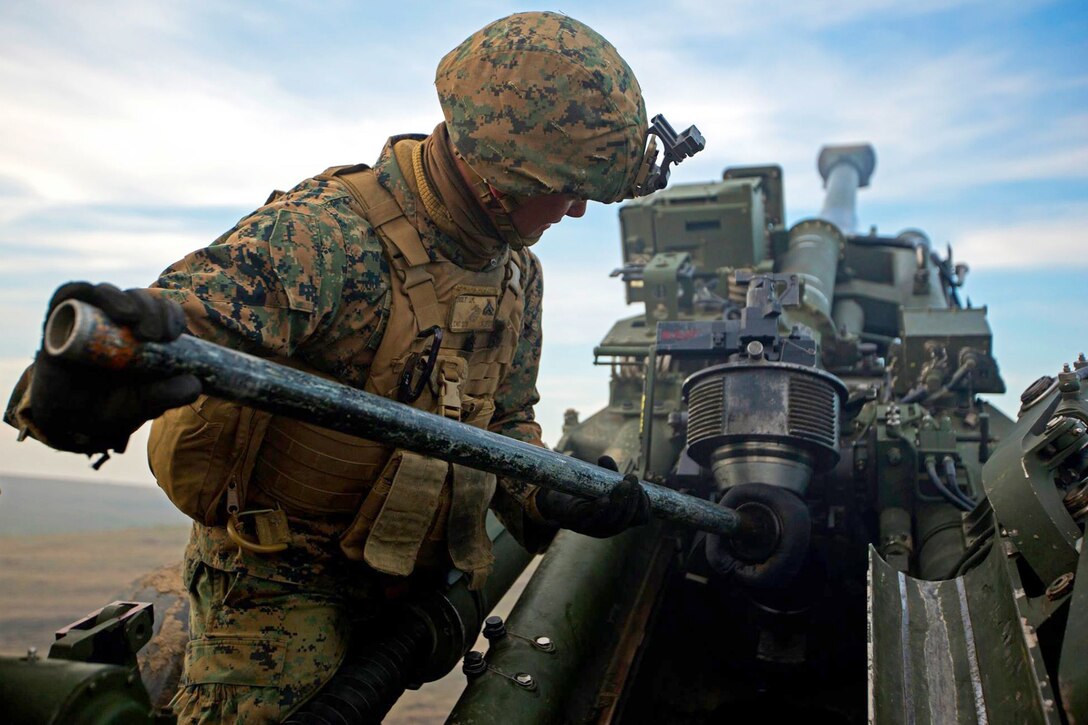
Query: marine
{"x": 412, "y": 279}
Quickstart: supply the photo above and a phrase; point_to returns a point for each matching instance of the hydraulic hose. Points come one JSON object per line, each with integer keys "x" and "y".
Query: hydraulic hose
{"x": 368, "y": 683}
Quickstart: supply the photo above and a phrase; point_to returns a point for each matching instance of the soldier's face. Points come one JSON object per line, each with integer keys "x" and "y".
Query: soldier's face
{"x": 537, "y": 213}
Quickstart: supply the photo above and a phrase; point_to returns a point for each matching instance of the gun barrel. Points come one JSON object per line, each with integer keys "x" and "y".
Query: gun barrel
{"x": 845, "y": 169}
{"x": 82, "y": 333}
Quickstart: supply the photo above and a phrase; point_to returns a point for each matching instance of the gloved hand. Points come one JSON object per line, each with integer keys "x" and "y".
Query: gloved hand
{"x": 89, "y": 410}
{"x": 625, "y": 506}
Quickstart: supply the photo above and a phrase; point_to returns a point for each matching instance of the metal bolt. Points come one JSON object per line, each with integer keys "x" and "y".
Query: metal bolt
{"x": 494, "y": 628}
{"x": 474, "y": 664}
{"x": 1068, "y": 381}
{"x": 524, "y": 679}
{"x": 755, "y": 348}
{"x": 1060, "y": 586}
{"x": 32, "y": 654}
{"x": 544, "y": 644}
{"x": 895, "y": 456}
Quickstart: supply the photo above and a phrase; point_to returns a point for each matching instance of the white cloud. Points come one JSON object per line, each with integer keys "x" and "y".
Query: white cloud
{"x": 744, "y": 21}
{"x": 580, "y": 304}
{"x": 126, "y": 104}
{"x": 158, "y": 123}
{"x": 1046, "y": 241}
{"x": 586, "y": 391}
{"x": 96, "y": 254}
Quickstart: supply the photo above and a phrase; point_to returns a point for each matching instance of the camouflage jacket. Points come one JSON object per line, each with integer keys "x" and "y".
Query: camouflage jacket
{"x": 305, "y": 276}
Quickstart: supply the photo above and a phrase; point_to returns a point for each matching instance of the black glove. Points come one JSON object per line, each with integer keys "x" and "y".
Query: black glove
{"x": 625, "y": 506}
{"x": 89, "y": 410}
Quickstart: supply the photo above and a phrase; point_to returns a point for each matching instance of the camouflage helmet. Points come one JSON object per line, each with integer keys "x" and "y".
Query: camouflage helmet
{"x": 539, "y": 103}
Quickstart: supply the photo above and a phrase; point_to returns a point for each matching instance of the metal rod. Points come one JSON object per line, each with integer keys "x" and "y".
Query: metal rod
{"x": 81, "y": 333}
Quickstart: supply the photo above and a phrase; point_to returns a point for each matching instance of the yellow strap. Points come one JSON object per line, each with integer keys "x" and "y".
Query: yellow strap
{"x": 379, "y": 206}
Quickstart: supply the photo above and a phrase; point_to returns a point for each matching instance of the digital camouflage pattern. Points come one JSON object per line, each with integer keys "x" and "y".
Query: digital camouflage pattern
{"x": 539, "y": 103}
{"x": 268, "y": 632}
{"x": 305, "y": 276}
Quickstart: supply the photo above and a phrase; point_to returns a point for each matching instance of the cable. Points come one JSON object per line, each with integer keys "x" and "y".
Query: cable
{"x": 959, "y": 502}
{"x": 953, "y": 483}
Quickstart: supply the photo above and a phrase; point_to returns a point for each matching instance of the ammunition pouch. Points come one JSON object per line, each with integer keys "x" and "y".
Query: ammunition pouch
{"x": 197, "y": 451}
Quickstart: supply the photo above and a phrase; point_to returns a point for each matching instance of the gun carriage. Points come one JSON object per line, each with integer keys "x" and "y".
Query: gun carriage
{"x": 844, "y": 527}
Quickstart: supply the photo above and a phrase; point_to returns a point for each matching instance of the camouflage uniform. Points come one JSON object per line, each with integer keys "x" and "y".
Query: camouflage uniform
{"x": 305, "y": 277}
{"x": 535, "y": 103}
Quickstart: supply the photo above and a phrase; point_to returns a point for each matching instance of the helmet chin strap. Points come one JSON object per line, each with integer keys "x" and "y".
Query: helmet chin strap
{"x": 499, "y": 207}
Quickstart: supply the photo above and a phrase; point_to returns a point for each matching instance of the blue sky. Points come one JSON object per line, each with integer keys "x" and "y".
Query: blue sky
{"x": 134, "y": 132}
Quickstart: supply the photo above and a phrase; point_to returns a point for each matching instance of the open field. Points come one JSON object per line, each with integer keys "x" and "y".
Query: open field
{"x": 32, "y": 506}
{"x": 50, "y": 579}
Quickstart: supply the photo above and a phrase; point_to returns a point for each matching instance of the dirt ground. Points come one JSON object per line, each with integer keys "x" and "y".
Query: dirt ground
{"x": 48, "y": 581}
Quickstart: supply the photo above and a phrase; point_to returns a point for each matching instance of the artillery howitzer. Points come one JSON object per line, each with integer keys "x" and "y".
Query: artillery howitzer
{"x": 885, "y": 545}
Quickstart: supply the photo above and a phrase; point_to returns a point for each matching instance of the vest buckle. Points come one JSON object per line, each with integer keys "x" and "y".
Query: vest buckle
{"x": 450, "y": 378}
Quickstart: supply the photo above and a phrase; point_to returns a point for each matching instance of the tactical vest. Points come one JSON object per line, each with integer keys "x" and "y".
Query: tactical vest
{"x": 450, "y": 338}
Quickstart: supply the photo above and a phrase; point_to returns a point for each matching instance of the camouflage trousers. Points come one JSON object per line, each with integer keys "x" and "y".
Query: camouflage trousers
{"x": 267, "y": 633}
{"x": 257, "y": 649}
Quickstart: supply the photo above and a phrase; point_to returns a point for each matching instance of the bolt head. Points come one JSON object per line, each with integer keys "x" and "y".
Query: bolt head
{"x": 474, "y": 663}
{"x": 1060, "y": 586}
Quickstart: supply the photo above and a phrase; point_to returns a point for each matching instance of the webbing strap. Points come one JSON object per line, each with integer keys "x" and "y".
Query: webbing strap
{"x": 379, "y": 206}
{"x": 469, "y": 546}
{"x": 419, "y": 286}
{"x": 384, "y": 214}
{"x": 405, "y": 518}
{"x": 513, "y": 291}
